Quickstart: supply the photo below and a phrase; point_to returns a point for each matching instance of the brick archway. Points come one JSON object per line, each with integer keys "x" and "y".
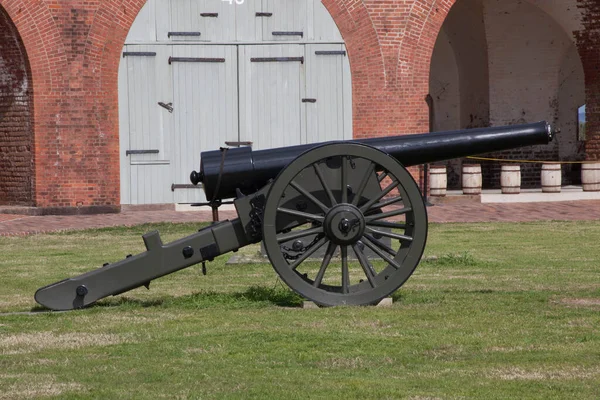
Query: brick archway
{"x": 389, "y": 58}
{"x": 31, "y": 78}
{"x": 74, "y": 50}
{"x": 43, "y": 69}
{"x": 16, "y": 130}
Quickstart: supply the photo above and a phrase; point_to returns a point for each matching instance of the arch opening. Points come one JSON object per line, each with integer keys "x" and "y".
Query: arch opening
{"x": 515, "y": 62}
{"x": 16, "y": 115}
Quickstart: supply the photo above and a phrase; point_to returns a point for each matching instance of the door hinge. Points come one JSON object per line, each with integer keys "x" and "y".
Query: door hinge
{"x": 330, "y": 52}
{"x": 301, "y": 34}
{"x": 196, "y": 59}
{"x": 129, "y": 152}
{"x": 176, "y": 186}
{"x": 183, "y": 34}
{"x": 139, "y": 54}
{"x": 277, "y": 59}
{"x": 238, "y": 144}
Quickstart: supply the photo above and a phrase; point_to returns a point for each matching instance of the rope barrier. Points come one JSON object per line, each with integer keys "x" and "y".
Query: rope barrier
{"x": 529, "y": 161}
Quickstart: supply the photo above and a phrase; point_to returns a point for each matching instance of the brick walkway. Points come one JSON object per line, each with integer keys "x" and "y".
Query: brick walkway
{"x": 21, "y": 225}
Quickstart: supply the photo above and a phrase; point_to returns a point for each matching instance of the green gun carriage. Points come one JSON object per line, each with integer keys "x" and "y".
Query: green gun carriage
{"x": 343, "y": 223}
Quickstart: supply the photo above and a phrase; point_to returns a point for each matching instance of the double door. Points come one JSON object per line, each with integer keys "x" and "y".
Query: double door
{"x": 179, "y": 100}
{"x": 218, "y": 21}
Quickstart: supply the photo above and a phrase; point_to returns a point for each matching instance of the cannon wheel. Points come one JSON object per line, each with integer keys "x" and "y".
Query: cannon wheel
{"x": 384, "y": 228}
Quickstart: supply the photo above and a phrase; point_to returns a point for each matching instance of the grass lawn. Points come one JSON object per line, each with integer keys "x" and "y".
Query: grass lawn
{"x": 503, "y": 311}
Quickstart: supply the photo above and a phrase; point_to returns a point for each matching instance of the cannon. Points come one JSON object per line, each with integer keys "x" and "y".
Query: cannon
{"x": 342, "y": 223}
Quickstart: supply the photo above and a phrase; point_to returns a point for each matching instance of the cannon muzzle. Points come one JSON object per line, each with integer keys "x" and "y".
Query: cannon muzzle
{"x": 223, "y": 171}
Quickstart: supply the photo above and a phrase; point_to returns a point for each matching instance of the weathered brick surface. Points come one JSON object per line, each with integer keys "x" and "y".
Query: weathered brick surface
{"x": 16, "y": 131}
{"x": 73, "y": 49}
{"x": 588, "y": 43}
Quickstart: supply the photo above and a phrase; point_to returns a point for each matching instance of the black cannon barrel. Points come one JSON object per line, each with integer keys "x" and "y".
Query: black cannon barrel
{"x": 224, "y": 171}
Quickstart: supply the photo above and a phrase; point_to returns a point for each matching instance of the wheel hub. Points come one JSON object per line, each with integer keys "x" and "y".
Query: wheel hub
{"x": 344, "y": 224}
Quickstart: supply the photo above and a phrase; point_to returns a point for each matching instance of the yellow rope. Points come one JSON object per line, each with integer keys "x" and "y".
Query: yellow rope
{"x": 529, "y": 161}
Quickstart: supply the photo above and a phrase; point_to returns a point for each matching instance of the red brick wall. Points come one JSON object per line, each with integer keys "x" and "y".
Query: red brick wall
{"x": 16, "y": 130}
{"x": 588, "y": 43}
{"x": 74, "y": 49}
{"x": 390, "y": 45}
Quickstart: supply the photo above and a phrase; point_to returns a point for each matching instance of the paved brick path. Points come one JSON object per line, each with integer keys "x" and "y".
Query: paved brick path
{"x": 20, "y": 225}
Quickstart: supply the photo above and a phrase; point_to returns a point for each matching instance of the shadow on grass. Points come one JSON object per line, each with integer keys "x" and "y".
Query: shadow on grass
{"x": 255, "y": 295}
{"x": 282, "y": 297}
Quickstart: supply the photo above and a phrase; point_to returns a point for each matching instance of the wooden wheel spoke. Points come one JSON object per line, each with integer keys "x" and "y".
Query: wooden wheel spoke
{"x": 365, "y": 264}
{"x": 380, "y": 253}
{"x": 344, "y": 179}
{"x": 363, "y": 183}
{"x": 309, "y": 253}
{"x": 386, "y": 224}
{"x": 309, "y": 196}
{"x": 381, "y": 195}
{"x": 388, "y": 214}
{"x": 326, "y": 260}
{"x": 386, "y": 203}
{"x": 382, "y": 246}
{"x": 296, "y": 213}
{"x": 345, "y": 272}
{"x": 382, "y": 176}
{"x": 299, "y": 234}
{"x": 390, "y": 234}
{"x": 326, "y": 187}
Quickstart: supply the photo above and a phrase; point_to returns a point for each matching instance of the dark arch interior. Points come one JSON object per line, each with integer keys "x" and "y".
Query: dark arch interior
{"x": 16, "y": 113}
{"x": 502, "y": 63}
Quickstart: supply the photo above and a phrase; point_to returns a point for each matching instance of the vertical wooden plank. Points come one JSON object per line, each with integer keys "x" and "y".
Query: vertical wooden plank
{"x": 310, "y": 19}
{"x": 347, "y": 96}
{"x": 220, "y": 28}
{"x": 144, "y": 28}
{"x": 326, "y": 81}
{"x": 163, "y": 19}
{"x": 207, "y": 114}
{"x": 164, "y": 77}
{"x": 248, "y": 27}
{"x": 288, "y": 16}
{"x": 125, "y": 168}
{"x": 135, "y": 184}
{"x": 270, "y": 96}
{"x": 147, "y": 86}
{"x": 324, "y": 27}
{"x": 185, "y": 17}
{"x": 145, "y": 125}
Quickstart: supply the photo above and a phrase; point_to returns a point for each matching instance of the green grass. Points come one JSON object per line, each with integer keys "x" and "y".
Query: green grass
{"x": 502, "y": 311}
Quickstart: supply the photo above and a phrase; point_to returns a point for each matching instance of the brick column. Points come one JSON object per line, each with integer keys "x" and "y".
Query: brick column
{"x": 16, "y": 128}
{"x": 588, "y": 44}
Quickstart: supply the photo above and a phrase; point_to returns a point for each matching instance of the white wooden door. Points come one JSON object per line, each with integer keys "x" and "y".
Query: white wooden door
{"x": 321, "y": 26}
{"x": 327, "y": 107}
{"x": 180, "y": 20}
{"x": 240, "y": 87}
{"x": 249, "y": 19}
{"x": 271, "y": 91}
{"x": 205, "y": 108}
{"x": 146, "y": 127}
{"x": 144, "y": 28}
{"x": 288, "y": 22}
